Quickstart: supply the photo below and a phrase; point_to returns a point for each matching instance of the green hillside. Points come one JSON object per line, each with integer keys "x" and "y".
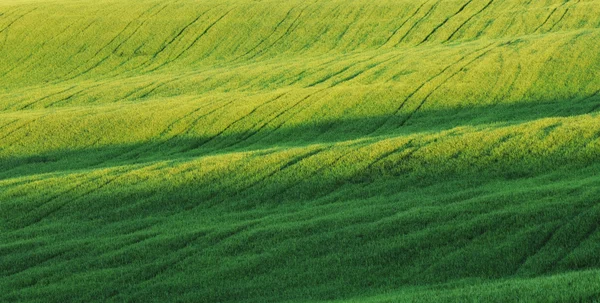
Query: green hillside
{"x": 300, "y": 151}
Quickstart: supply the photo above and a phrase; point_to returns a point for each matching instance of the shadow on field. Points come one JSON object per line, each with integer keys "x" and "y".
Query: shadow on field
{"x": 368, "y": 129}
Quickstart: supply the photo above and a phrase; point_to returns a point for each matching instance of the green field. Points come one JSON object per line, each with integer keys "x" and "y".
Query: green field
{"x": 300, "y": 151}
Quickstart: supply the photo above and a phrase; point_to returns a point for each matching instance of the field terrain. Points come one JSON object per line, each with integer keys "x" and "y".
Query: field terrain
{"x": 300, "y": 151}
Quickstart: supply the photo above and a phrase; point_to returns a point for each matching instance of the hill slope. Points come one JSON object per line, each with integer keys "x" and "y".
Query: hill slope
{"x": 261, "y": 151}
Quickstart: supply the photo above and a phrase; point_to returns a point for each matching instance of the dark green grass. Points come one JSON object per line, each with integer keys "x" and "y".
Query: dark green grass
{"x": 292, "y": 151}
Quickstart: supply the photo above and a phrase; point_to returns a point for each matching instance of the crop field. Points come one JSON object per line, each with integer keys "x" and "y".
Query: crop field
{"x": 300, "y": 151}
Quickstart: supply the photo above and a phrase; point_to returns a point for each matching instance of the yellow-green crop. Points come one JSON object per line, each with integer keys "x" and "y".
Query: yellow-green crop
{"x": 300, "y": 151}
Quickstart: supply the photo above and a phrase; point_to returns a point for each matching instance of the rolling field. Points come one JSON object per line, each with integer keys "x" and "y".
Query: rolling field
{"x": 300, "y": 151}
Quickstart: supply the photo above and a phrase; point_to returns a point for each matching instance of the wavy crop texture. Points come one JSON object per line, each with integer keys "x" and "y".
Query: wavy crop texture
{"x": 300, "y": 151}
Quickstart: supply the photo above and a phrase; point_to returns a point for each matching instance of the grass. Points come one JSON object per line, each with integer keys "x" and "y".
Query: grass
{"x": 293, "y": 151}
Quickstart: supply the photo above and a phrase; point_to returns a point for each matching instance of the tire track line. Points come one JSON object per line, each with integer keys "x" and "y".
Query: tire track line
{"x": 84, "y": 90}
{"x": 339, "y": 184}
{"x": 385, "y": 155}
{"x": 324, "y": 66}
{"x": 8, "y": 124}
{"x": 554, "y": 232}
{"x": 562, "y": 16}
{"x": 172, "y": 124}
{"x": 286, "y": 33}
{"x": 28, "y": 105}
{"x": 340, "y": 36}
{"x": 367, "y": 68}
{"x": 127, "y": 26}
{"x": 24, "y": 60}
{"x": 550, "y": 15}
{"x": 468, "y": 20}
{"x": 287, "y": 164}
{"x": 336, "y": 11}
{"x": 443, "y": 83}
{"x": 418, "y": 22}
{"x": 339, "y": 158}
{"x": 131, "y": 35}
{"x": 136, "y": 151}
{"x": 119, "y": 175}
{"x": 134, "y": 91}
{"x": 511, "y": 87}
{"x": 276, "y": 117}
{"x": 546, "y": 21}
{"x": 461, "y": 9}
{"x": 410, "y": 95}
{"x": 268, "y": 36}
{"x": 193, "y": 124}
{"x": 21, "y": 127}
{"x": 116, "y": 175}
{"x": 340, "y": 71}
{"x": 403, "y": 23}
{"x": 178, "y": 35}
{"x": 7, "y": 27}
{"x": 193, "y": 42}
{"x": 138, "y": 28}
{"x": 238, "y": 120}
{"x": 45, "y": 259}
{"x": 58, "y": 79}
{"x": 50, "y": 200}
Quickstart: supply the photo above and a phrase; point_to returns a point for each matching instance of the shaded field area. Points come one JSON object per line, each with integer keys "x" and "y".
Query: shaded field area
{"x": 300, "y": 151}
